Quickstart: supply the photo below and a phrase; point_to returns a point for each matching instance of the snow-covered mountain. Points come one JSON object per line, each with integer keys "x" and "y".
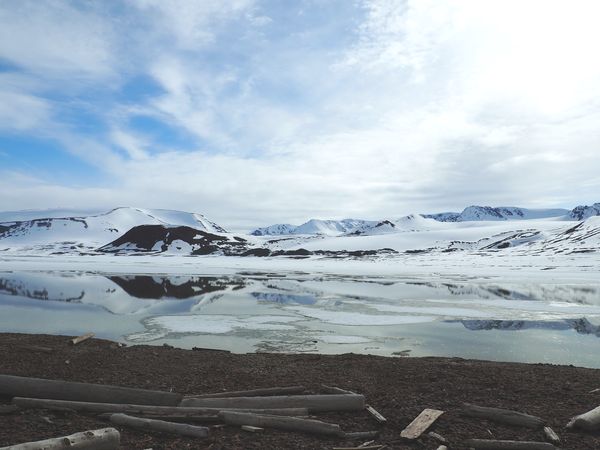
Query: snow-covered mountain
{"x": 89, "y": 232}
{"x": 412, "y": 222}
{"x": 582, "y": 212}
{"x": 478, "y": 213}
{"x": 316, "y": 226}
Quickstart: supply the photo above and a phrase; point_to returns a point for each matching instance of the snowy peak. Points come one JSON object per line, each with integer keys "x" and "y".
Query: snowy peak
{"x": 316, "y": 226}
{"x": 412, "y": 222}
{"x": 488, "y": 213}
{"x": 583, "y": 212}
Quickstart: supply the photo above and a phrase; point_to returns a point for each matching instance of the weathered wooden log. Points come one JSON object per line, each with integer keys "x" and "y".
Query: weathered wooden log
{"x": 181, "y": 429}
{"x": 361, "y": 447}
{"x": 211, "y": 418}
{"x": 376, "y": 415}
{"x": 335, "y": 390}
{"x": 551, "y": 436}
{"x": 488, "y": 444}
{"x": 334, "y": 402}
{"x": 505, "y": 416}
{"x": 61, "y": 405}
{"x": 36, "y": 348}
{"x": 589, "y": 421}
{"x": 13, "y": 386}
{"x": 82, "y": 338}
{"x": 254, "y": 392}
{"x": 281, "y": 423}
{"x": 421, "y": 423}
{"x": 102, "y": 439}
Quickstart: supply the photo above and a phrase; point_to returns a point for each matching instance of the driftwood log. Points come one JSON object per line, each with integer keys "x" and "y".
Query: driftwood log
{"x": 376, "y": 415}
{"x": 421, "y": 423}
{"x": 13, "y": 386}
{"x": 589, "y": 421}
{"x": 505, "y": 416}
{"x": 254, "y": 392}
{"x": 182, "y": 429}
{"x": 335, "y": 390}
{"x": 39, "y": 403}
{"x": 334, "y": 402}
{"x": 281, "y": 423}
{"x": 486, "y": 444}
{"x": 102, "y": 439}
{"x": 82, "y": 338}
{"x": 361, "y": 435}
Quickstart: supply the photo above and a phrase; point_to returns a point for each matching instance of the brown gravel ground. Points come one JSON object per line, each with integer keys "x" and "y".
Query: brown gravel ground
{"x": 399, "y": 388}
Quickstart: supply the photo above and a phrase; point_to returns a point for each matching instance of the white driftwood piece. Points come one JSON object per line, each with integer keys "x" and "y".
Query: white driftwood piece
{"x": 288, "y": 390}
{"x": 102, "y": 439}
{"x": 182, "y": 429}
{"x": 421, "y": 423}
{"x": 41, "y": 403}
{"x": 551, "y": 436}
{"x": 281, "y": 423}
{"x": 505, "y": 416}
{"x": 589, "y": 421}
{"x": 376, "y": 415}
{"x": 13, "y": 386}
{"x": 82, "y": 338}
{"x": 334, "y": 402}
{"x": 488, "y": 444}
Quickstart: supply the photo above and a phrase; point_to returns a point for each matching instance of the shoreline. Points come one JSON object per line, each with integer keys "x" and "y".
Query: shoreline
{"x": 399, "y": 388}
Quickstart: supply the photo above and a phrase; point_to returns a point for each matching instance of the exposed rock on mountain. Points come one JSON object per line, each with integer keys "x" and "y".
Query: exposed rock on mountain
{"x": 316, "y": 226}
{"x": 184, "y": 240}
{"x": 583, "y": 212}
{"x": 475, "y": 213}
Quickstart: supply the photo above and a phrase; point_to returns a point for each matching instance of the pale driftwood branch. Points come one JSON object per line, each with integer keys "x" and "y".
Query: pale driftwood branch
{"x": 61, "y": 405}
{"x": 551, "y": 435}
{"x": 335, "y": 390}
{"x": 366, "y": 447}
{"x": 281, "y": 423}
{"x": 13, "y": 386}
{"x": 378, "y": 417}
{"x": 421, "y": 423}
{"x": 485, "y": 444}
{"x": 254, "y": 392}
{"x": 252, "y": 429}
{"x": 335, "y": 402}
{"x": 589, "y": 421}
{"x": 438, "y": 437}
{"x": 102, "y": 439}
{"x": 36, "y": 348}
{"x": 181, "y": 429}
{"x": 82, "y": 338}
{"x": 505, "y": 416}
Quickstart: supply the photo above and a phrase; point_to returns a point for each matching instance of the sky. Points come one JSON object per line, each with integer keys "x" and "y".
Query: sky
{"x": 257, "y": 112}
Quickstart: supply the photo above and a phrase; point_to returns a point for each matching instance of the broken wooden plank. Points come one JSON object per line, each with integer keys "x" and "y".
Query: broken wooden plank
{"x": 181, "y": 429}
{"x": 82, "y": 338}
{"x": 334, "y": 402}
{"x": 551, "y": 436}
{"x": 13, "y": 386}
{"x": 488, "y": 444}
{"x": 378, "y": 417}
{"x": 505, "y": 416}
{"x": 421, "y": 423}
{"x": 96, "y": 407}
{"x": 102, "y": 439}
{"x": 254, "y": 392}
{"x": 252, "y": 429}
{"x": 281, "y": 423}
{"x": 588, "y": 421}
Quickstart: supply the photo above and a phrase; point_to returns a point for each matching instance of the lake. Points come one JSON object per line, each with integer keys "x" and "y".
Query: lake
{"x": 299, "y": 312}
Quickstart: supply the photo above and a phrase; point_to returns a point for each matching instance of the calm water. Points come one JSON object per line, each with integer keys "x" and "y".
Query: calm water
{"x": 296, "y": 312}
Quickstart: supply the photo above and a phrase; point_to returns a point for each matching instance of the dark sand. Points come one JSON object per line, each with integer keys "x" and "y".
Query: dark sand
{"x": 399, "y": 388}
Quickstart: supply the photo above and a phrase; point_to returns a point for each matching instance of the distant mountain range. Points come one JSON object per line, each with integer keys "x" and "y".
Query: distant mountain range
{"x": 128, "y": 230}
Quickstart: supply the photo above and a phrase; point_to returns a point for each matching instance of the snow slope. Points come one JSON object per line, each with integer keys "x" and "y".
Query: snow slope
{"x": 316, "y": 226}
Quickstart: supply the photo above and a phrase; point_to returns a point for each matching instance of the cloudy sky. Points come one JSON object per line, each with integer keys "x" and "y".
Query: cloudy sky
{"x": 254, "y": 112}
